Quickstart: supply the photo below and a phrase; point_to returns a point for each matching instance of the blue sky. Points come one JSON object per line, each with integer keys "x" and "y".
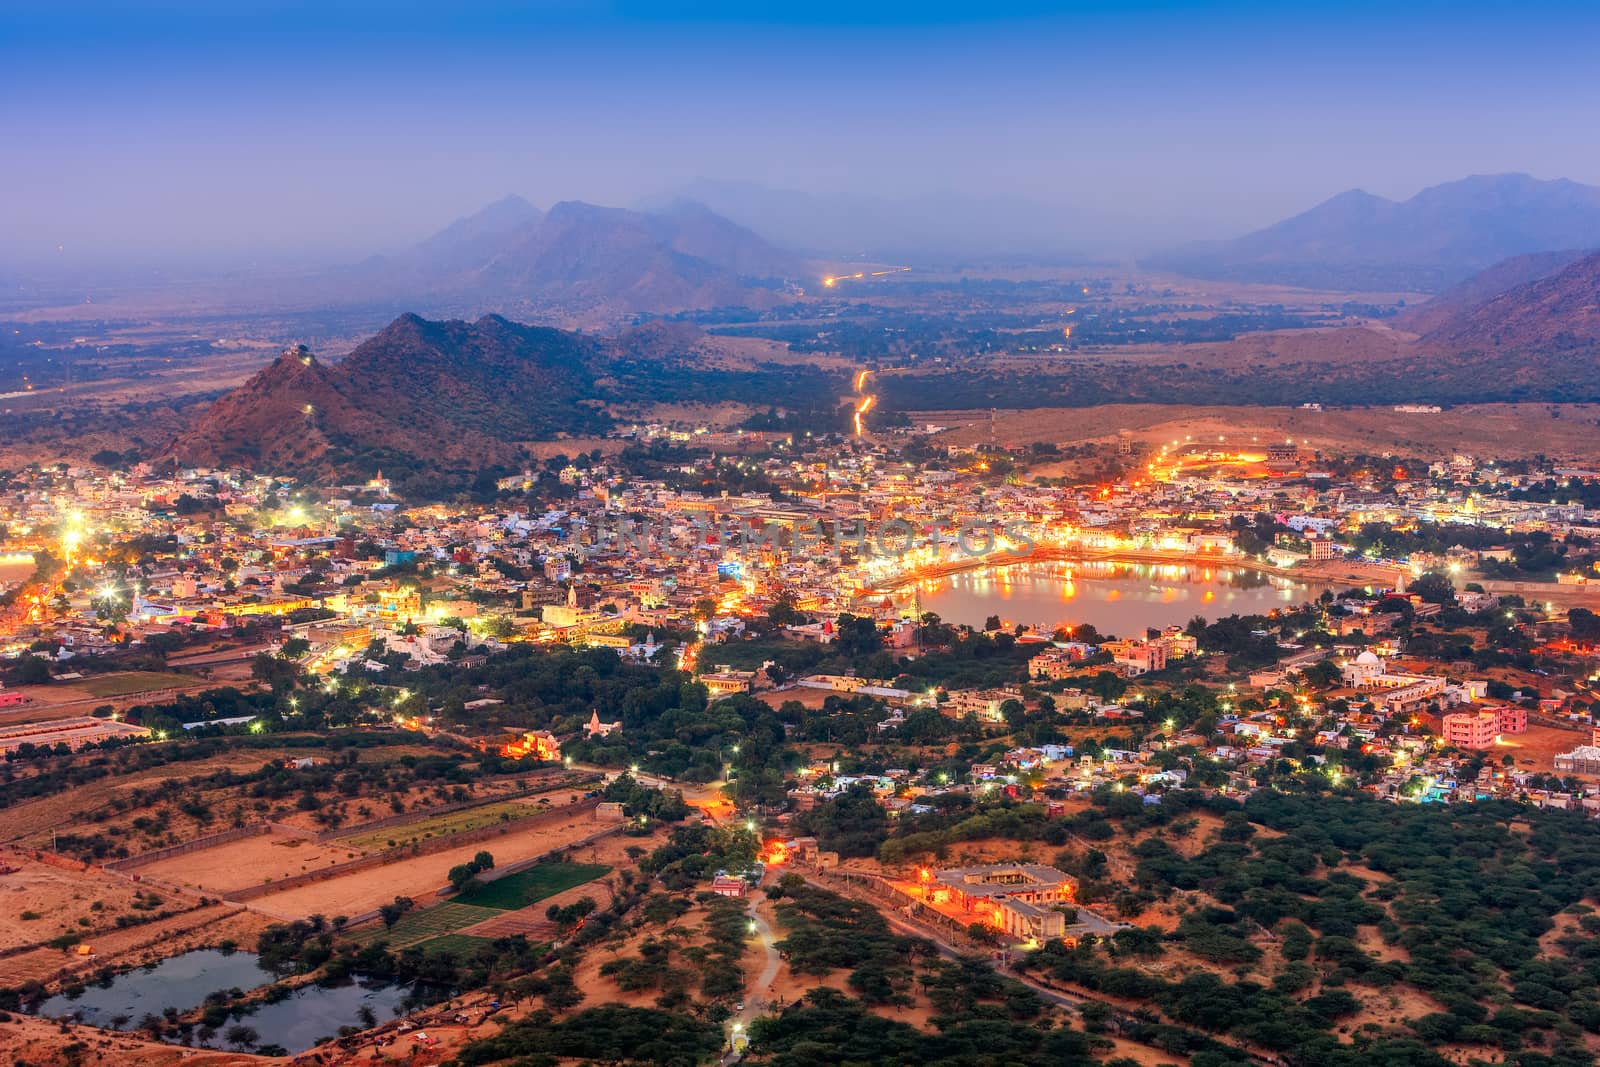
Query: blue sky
{"x": 165, "y": 130}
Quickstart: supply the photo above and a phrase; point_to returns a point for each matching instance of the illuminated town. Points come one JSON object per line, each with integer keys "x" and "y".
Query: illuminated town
{"x": 550, "y": 535}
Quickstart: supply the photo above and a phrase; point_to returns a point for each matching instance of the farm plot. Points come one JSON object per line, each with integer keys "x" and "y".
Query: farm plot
{"x": 456, "y": 822}
{"x": 532, "y": 885}
{"x": 491, "y": 909}
{"x": 415, "y": 927}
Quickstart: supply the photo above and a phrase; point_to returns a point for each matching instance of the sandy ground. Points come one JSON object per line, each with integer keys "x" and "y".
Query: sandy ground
{"x": 138, "y": 945}
{"x": 809, "y": 698}
{"x": 420, "y": 878}
{"x": 1536, "y": 750}
{"x": 1502, "y": 430}
{"x": 249, "y": 862}
{"x": 59, "y": 898}
{"x": 31, "y": 1040}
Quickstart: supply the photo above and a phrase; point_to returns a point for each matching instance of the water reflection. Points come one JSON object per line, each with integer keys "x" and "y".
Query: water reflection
{"x": 297, "y": 1022}
{"x": 1118, "y": 598}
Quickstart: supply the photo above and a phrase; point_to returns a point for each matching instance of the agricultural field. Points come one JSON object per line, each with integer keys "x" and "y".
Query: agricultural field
{"x": 456, "y": 822}
{"x": 415, "y": 927}
{"x": 532, "y": 885}
{"x": 421, "y": 877}
{"x": 483, "y": 903}
{"x": 130, "y": 682}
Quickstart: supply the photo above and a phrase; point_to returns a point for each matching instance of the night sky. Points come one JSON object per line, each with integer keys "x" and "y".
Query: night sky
{"x": 299, "y": 131}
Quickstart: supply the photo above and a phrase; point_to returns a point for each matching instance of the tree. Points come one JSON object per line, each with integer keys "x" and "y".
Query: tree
{"x": 851, "y": 824}
{"x": 460, "y": 876}
{"x": 278, "y": 674}
{"x": 30, "y": 670}
{"x": 390, "y": 913}
{"x": 783, "y": 611}
{"x": 241, "y": 1036}
{"x": 1434, "y": 588}
{"x": 1585, "y": 624}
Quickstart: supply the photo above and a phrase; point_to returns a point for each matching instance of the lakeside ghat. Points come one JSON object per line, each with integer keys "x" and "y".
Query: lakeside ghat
{"x": 1074, "y": 584}
{"x": 1118, "y": 597}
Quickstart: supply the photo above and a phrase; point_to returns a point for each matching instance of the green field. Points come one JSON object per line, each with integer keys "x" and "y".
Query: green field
{"x": 456, "y": 822}
{"x": 435, "y": 928}
{"x": 529, "y": 886}
{"x": 120, "y": 685}
{"x": 457, "y": 944}
{"x": 418, "y": 926}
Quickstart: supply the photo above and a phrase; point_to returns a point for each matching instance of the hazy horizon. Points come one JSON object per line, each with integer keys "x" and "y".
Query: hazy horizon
{"x": 295, "y": 133}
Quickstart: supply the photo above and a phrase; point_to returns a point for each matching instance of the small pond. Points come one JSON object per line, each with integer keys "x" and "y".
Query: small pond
{"x": 305, "y": 1017}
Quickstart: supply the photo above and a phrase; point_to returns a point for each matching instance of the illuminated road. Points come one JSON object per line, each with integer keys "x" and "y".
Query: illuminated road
{"x": 864, "y": 400}
{"x": 756, "y": 998}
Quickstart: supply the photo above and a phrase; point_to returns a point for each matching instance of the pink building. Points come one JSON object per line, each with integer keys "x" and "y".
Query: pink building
{"x": 1472, "y": 729}
{"x": 1511, "y": 719}
{"x": 1137, "y": 657}
{"x": 728, "y": 886}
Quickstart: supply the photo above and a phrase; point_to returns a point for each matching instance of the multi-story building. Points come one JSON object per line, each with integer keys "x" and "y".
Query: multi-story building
{"x": 1471, "y": 729}
{"x": 1055, "y": 663}
{"x": 1137, "y": 657}
{"x": 1511, "y": 719}
{"x": 983, "y": 703}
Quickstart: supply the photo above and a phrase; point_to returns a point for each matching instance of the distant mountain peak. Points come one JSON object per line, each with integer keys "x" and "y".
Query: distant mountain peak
{"x": 585, "y": 258}
{"x": 1436, "y": 238}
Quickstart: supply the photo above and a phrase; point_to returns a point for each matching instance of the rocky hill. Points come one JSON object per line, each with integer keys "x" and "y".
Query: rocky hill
{"x": 1505, "y": 275}
{"x": 1440, "y": 236}
{"x": 1559, "y": 313}
{"x": 418, "y": 395}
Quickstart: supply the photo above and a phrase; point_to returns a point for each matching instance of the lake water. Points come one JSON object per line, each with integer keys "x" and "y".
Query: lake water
{"x": 1115, "y": 598}
{"x": 15, "y": 569}
{"x": 309, "y": 1015}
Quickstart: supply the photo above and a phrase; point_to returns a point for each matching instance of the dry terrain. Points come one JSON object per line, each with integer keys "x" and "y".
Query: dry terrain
{"x": 249, "y": 862}
{"x": 40, "y": 901}
{"x": 419, "y": 878}
{"x": 43, "y": 1043}
{"x": 1508, "y": 431}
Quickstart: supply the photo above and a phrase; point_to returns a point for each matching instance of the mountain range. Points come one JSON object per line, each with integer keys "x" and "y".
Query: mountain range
{"x": 577, "y": 257}
{"x": 917, "y": 227}
{"x": 1437, "y": 238}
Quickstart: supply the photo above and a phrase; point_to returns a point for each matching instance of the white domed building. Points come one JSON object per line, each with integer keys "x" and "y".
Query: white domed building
{"x": 1364, "y": 670}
